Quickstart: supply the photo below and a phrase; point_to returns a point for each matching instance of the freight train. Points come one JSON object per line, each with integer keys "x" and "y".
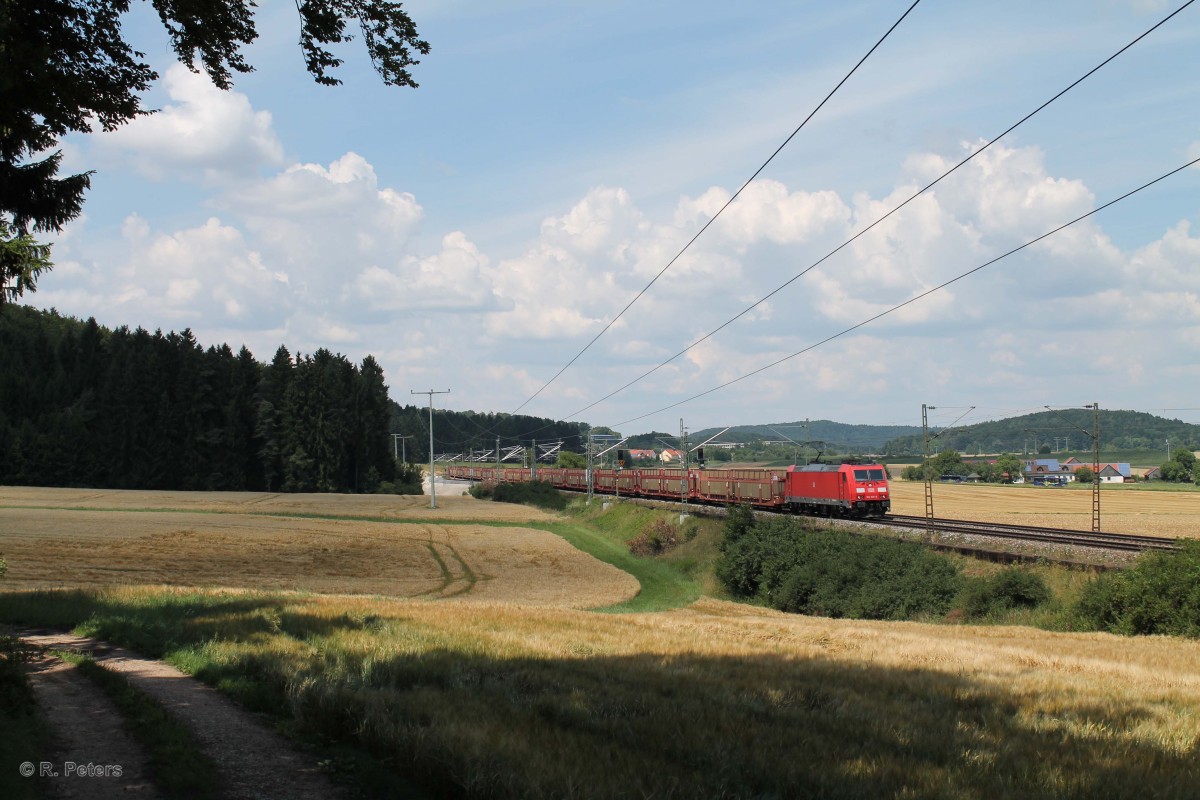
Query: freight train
{"x": 844, "y": 490}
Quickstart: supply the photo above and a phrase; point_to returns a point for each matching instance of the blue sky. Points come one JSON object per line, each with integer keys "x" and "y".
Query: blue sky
{"x": 474, "y": 234}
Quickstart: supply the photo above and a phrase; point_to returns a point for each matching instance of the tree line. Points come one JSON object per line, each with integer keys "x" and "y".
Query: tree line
{"x": 82, "y": 405}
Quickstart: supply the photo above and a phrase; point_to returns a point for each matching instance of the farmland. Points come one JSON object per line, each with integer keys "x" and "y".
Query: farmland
{"x": 63, "y": 538}
{"x": 1124, "y": 509}
{"x": 510, "y": 687}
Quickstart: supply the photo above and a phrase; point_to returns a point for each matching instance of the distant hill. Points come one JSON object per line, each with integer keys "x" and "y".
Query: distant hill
{"x": 838, "y": 436}
{"x": 1119, "y": 430}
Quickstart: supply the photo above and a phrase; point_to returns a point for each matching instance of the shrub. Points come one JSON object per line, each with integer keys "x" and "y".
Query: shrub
{"x": 3, "y": 567}
{"x": 738, "y": 521}
{"x": 409, "y": 479}
{"x": 836, "y": 574}
{"x": 483, "y": 490}
{"x": 1008, "y": 589}
{"x": 660, "y": 536}
{"x": 14, "y": 688}
{"x": 1158, "y": 595}
{"x": 534, "y": 493}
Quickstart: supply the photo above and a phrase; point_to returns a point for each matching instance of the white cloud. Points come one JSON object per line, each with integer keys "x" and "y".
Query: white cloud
{"x": 454, "y": 279}
{"x": 204, "y": 133}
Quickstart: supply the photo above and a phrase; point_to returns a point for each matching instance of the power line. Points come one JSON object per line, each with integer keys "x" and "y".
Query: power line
{"x": 862, "y": 232}
{"x": 729, "y": 202}
{"x": 912, "y": 300}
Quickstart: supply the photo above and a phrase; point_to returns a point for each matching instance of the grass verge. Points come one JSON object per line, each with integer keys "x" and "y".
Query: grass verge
{"x": 24, "y": 735}
{"x": 663, "y": 586}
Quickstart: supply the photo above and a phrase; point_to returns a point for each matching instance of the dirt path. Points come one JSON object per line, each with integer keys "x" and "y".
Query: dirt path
{"x": 254, "y": 762}
{"x": 93, "y": 755}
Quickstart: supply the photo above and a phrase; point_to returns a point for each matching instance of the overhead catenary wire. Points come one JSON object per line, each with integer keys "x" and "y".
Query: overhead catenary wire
{"x": 912, "y": 300}
{"x": 897, "y": 208}
{"x": 714, "y": 217}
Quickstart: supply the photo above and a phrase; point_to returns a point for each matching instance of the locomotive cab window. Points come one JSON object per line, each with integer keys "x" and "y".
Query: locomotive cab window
{"x": 869, "y": 475}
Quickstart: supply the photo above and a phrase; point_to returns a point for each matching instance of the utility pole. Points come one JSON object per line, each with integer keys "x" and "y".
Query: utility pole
{"x": 1095, "y": 434}
{"x": 588, "y": 471}
{"x": 1095, "y": 467}
{"x": 403, "y": 449}
{"x": 432, "y": 476}
{"x": 925, "y": 469}
{"x": 683, "y": 473}
{"x": 533, "y": 462}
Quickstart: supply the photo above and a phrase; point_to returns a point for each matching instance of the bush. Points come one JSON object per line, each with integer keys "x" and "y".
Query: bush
{"x": 534, "y": 493}
{"x": 1008, "y": 589}
{"x": 409, "y": 480}
{"x": 738, "y": 521}
{"x": 1159, "y": 595}
{"x": 660, "y": 536}
{"x": 836, "y": 574}
{"x": 14, "y": 688}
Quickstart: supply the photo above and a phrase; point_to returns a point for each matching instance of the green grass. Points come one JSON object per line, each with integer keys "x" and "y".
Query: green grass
{"x": 603, "y": 535}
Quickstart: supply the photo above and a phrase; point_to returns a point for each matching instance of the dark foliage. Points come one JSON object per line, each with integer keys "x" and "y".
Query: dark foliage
{"x": 81, "y": 405}
{"x": 1159, "y": 595}
{"x": 1008, "y": 589}
{"x": 467, "y": 431}
{"x": 532, "y": 493}
{"x": 835, "y": 574}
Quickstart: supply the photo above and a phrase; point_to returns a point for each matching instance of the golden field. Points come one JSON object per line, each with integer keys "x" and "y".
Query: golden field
{"x": 60, "y": 538}
{"x": 461, "y": 654}
{"x": 1123, "y": 509}
{"x": 714, "y": 700}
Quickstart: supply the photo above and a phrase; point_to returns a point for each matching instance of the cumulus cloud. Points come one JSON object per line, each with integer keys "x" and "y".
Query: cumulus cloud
{"x": 204, "y": 132}
{"x": 329, "y": 255}
{"x": 454, "y": 279}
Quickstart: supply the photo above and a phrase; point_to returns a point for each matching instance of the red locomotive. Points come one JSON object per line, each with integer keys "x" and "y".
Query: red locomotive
{"x": 845, "y": 490}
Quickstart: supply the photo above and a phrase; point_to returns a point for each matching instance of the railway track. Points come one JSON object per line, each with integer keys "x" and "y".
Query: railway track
{"x": 1060, "y": 536}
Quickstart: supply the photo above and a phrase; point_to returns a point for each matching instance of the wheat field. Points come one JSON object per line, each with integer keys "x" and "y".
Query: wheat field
{"x": 463, "y": 653}
{"x": 1122, "y": 509}
{"x": 70, "y": 538}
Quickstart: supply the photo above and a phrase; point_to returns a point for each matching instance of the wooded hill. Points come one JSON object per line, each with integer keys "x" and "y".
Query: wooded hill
{"x": 82, "y": 405}
{"x": 1119, "y": 430}
{"x": 837, "y": 436}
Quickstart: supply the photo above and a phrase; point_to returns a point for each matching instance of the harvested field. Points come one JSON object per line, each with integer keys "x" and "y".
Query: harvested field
{"x": 1122, "y": 509}
{"x": 73, "y": 547}
{"x": 386, "y": 506}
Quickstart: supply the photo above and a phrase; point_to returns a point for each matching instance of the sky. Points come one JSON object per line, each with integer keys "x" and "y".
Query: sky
{"x": 476, "y": 233}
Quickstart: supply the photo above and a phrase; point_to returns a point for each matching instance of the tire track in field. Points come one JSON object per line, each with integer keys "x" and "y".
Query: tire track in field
{"x": 458, "y": 577}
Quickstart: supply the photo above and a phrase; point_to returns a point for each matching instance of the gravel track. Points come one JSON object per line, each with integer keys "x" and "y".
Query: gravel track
{"x": 254, "y": 762}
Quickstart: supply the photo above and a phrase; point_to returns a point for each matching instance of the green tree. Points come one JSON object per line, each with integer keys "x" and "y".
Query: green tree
{"x": 570, "y": 460}
{"x": 1181, "y": 467}
{"x": 1085, "y": 475}
{"x": 1008, "y": 463}
{"x": 67, "y": 67}
{"x": 21, "y": 261}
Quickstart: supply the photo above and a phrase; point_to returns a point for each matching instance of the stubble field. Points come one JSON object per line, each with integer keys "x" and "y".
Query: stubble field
{"x": 1122, "y": 509}
{"x": 394, "y": 546}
